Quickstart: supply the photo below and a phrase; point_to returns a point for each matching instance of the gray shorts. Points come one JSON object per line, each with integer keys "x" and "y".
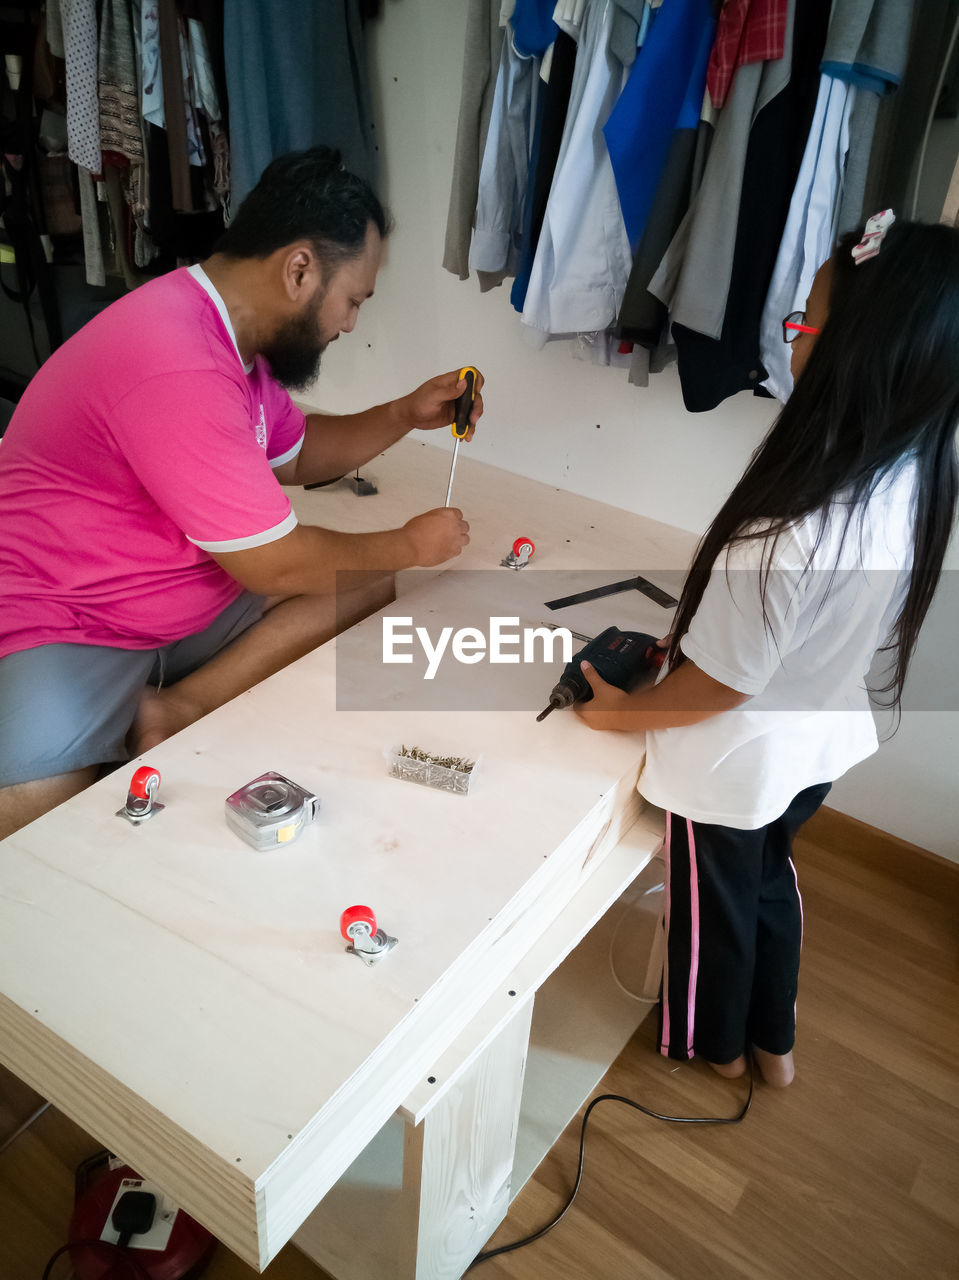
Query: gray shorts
{"x": 67, "y": 706}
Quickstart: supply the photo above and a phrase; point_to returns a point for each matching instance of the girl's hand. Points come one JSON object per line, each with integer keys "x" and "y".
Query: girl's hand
{"x": 604, "y": 710}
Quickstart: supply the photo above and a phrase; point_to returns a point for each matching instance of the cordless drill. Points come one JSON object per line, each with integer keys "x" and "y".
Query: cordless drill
{"x": 621, "y": 658}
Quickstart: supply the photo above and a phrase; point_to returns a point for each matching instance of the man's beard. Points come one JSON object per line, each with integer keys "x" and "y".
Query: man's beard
{"x": 294, "y": 351}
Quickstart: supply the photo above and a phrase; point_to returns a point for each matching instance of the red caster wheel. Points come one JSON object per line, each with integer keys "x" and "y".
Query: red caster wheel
{"x": 358, "y": 926}
{"x": 141, "y": 798}
{"x": 357, "y": 922}
{"x": 523, "y": 548}
{"x": 145, "y": 782}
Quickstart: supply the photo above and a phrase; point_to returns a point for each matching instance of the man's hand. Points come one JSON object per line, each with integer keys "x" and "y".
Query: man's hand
{"x": 432, "y": 405}
{"x": 604, "y": 710}
{"x": 437, "y": 535}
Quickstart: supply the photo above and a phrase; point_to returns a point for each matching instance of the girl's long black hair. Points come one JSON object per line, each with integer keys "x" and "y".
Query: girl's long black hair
{"x": 881, "y": 382}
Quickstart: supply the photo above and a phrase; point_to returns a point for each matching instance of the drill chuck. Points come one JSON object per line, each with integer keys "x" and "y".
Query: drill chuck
{"x": 565, "y": 692}
{"x": 621, "y": 658}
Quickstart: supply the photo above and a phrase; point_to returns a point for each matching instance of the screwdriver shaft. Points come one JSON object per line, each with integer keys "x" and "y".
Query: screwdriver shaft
{"x": 449, "y": 487}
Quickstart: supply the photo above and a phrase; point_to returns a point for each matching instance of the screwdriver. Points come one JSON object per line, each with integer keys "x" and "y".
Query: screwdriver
{"x": 461, "y": 418}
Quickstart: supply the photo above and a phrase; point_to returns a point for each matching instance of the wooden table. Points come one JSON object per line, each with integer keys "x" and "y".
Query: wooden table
{"x": 191, "y": 1003}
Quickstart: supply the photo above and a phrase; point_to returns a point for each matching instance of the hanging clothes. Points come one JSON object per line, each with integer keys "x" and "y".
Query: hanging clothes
{"x": 533, "y": 28}
{"x": 712, "y": 369}
{"x": 666, "y": 80}
{"x": 122, "y": 128}
{"x": 72, "y": 34}
{"x": 728, "y": 212}
{"x": 583, "y": 258}
{"x": 692, "y": 280}
{"x": 296, "y": 76}
{"x": 864, "y": 58}
{"x": 748, "y": 31}
{"x": 867, "y": 45}
{"x": 502, "y": 210}
{"x": 810, "y": 231}
{"x": 484, "y": 39}
{"x": 172, "y": 109}
{"x": 904, "y": 117}
{"x": 501, "y": 197}
{"x": 552, "y": 106}
{"x": 642, "y": 317}
{"x": 119, "y": 107}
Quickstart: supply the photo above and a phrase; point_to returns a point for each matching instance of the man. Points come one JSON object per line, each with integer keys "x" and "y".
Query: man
{"x": 151, "y": 566}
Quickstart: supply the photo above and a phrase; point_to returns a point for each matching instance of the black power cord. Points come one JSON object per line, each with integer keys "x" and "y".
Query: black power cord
{"x": 133, "y": 1215}
{"x": 611, "y": 1097}
{"x": 121, "y": 1255}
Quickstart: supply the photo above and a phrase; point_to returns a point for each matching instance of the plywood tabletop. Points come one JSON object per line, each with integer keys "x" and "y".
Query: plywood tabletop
{"x": 190, "y": 1000}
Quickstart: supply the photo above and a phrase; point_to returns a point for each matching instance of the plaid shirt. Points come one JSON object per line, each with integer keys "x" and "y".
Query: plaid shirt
{"x": 748, "y": 31}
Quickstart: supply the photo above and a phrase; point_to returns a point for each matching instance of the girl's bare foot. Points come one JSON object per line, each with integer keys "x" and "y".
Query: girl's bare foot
{"x": 777, "y": 1069}
{"x": 731, "y": 1070}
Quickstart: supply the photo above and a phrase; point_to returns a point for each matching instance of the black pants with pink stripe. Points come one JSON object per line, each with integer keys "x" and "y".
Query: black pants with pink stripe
{"x": 733, "y": 935}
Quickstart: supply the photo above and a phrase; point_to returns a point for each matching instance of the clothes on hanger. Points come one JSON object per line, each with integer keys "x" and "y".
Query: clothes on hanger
{"x": 737, "y": 151}
{"x": 714, "y": 368}
{"x": 296, "y": 75}
{"x": 866, "y": 46}
{"x": 810, "y": 230}
{"x": 481, "y": 57}
{"x": 146, "y": 121}
{"x": 583, "y": 258}
{"x": 748, "y": 31}
{"x": 552, "y": 106}
{"x": 663, "y": 93}
{"x": 864, "y": 57}
{"x": 501, "y": 193}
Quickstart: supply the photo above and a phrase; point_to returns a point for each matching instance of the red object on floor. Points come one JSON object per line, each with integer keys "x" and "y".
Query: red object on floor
{"x": 188, "y": 1250}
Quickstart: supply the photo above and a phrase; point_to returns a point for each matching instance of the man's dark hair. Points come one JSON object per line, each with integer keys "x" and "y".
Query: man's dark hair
{"x": 306, "y": 195}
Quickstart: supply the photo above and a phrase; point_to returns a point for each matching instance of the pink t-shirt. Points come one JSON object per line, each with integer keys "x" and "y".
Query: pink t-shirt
{"x": 140, "y": 446}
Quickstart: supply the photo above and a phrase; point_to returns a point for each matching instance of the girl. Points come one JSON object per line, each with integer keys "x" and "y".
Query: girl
{"x": 829, "y": 547}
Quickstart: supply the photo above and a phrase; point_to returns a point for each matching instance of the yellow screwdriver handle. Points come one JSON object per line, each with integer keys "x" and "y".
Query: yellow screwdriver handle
{"x": 464, "y": 402}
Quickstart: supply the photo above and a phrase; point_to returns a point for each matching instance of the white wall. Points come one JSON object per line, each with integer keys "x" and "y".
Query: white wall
{"x": 648, "y": 455}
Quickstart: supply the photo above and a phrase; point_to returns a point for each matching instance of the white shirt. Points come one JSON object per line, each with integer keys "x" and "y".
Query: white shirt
{"x": 583, "y": 258}
{"x": 810, "y": 230}
{"x": 828, "y": 609}
{"x": 501, "y": 197}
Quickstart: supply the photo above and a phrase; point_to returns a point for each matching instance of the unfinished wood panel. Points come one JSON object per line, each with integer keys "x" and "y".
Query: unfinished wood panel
{"x": 366, "y": 1227}
{"x": 625, "y": 862}
{"x": 435, "y": 1190}
{"x": 582, "y": 1020}
{"x": 468, "y": 1147}
{"x": 570, "y": 531}
{"x": 250, "y": 1058}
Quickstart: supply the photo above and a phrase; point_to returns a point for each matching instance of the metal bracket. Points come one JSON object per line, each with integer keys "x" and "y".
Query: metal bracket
{"x": 362, "y": 486}
{"x": 137, "y": 816}
{"x": 379, "y": 943}
{"x": 520, "y": 561}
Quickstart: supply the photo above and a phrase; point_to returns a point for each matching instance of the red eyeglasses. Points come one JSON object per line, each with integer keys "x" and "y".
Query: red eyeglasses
{"x": 795, "y": 324}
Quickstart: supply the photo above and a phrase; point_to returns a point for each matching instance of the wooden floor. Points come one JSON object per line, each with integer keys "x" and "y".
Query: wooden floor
{"x": 852, "y": 1172}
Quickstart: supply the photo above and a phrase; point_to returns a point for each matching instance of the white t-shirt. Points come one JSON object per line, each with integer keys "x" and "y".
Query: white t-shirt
{"x": 828, "y": 607}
